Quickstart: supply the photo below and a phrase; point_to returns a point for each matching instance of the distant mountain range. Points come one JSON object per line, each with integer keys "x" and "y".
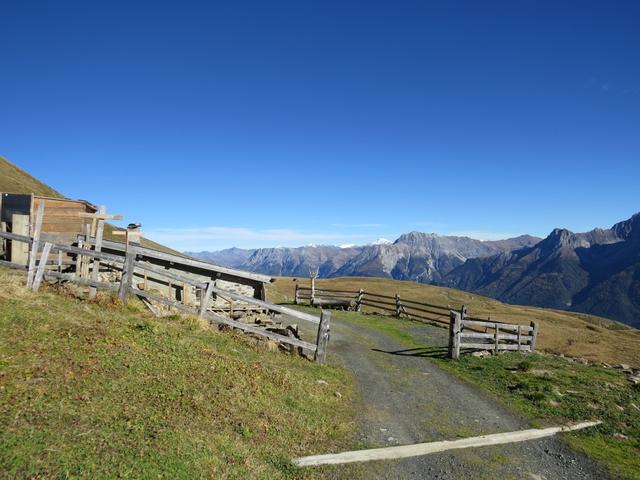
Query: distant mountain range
{"x": 596, "y": 272}
{"x": 422, "y": 257}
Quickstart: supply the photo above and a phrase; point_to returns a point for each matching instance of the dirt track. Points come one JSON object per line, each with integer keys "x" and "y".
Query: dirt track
{"x": 407, "y": 399}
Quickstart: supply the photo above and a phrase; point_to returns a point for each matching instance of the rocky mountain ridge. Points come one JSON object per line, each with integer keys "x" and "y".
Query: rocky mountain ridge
{"x": 595, "y": 272}
{"x": 418, "y": 256}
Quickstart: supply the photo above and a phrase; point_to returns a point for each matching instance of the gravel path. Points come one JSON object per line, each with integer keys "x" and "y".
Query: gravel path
{"x": 408, "y": 399}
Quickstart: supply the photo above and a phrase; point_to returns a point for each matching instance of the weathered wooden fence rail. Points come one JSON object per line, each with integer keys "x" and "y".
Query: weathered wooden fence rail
{"x": 464, "y": 332}
{"x": 355, "y": 300}
{"x": 128, "y": 265}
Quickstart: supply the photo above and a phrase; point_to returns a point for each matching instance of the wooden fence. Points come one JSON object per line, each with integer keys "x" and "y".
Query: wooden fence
{"x": 464, "y": 332}
{"x": 477, "y": 334}
{"x": 41, "y": 267}
{"x": 355, "y": 300}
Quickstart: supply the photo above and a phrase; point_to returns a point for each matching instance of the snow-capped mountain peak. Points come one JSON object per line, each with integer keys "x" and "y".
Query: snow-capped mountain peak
{"x": 381, "y": 241}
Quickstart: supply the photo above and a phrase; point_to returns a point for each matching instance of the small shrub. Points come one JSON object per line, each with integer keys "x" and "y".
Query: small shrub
{"x": 525, "y": 366}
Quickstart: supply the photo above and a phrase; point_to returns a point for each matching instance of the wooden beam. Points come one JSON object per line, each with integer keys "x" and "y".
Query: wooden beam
{"x": 188, "y": 261}
{"x": 19, "y": 266}
{"x": 101, "y": 215}
{"x": 90, "y": 253}
{"x": 128, "y": 233}
{"x": 406, "y": 451}
{"x": 42, "y": 266}
{"x": 227, "y": 321}
{"x": 268, "y": 306}
{"x": 502, "y": 336}
{"x": 33, "y": 253}
{"x": 16, "y": 236}
{"x": 95, "y": 265}
{"x": 204, "y": 299}
{"x": 323, "y": 337}
{"x": 534, "y": 334}
{"x": 503, "y": 326}
{"x": 127, "y": 274}
{"x": 70, "y": 277}
{"x": 492, "y": 346}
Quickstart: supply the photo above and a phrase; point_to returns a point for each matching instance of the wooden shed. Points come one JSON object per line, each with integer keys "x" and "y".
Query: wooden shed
{"x": 61, "y": 220}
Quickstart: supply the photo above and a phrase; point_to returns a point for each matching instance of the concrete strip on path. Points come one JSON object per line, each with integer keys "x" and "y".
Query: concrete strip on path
{"x": 404, "y": 451}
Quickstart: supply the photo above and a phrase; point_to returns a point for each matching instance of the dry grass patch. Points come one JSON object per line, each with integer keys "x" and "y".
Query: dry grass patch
{"x": 568, "y": 333}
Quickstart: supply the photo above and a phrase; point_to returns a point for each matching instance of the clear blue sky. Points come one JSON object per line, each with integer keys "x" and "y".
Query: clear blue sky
{"x": 288, "y": 123}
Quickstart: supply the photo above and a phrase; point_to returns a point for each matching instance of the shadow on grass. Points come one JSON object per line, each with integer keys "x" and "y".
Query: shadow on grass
{"x": 426, "y": 352}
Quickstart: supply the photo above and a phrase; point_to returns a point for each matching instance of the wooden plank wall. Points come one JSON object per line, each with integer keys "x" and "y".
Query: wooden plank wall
{"x": 20, "y": 250}
{"x": 61, "y": 216}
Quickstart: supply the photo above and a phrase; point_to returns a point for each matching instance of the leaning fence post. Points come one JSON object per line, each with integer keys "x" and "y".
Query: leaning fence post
{"x": 79, "y": 257}
{"x": 127, "y": 273}
{"x": 95, "y": 265}
{"x": 359, "y": 300}
{"x": 323, "y": 336}
{"x": 35, "y": 244}
{"x": 534, "y": 334}
{"x": 398, "y": 305}
{"x": 296, "y": 298}
{"x": 41, "y": 267}
{"x": 204, "y": 299}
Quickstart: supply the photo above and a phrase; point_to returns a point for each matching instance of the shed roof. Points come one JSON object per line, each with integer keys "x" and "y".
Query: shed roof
{"x": 68, "y": 200}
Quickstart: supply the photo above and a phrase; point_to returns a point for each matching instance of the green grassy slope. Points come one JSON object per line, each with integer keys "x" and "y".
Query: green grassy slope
{"x": 98, "y": 390}
{"x": 15, "y": 180}
{"x": 561, "y": 332}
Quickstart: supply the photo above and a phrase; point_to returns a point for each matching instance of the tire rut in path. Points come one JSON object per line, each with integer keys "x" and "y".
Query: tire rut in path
{"x": 407, "y": 399}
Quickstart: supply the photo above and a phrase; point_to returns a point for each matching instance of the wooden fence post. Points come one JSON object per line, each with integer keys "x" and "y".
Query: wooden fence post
{"x": 296, "y": 298}
{"x": 398, "y": 311}
{"x": 42, "y": 266}
{"x": 204, "y": 299}
{"x": 452, "y": 321}
{"x": 359, "y": 300}
{"x": 457, "y": 328}
{"x": 127, "y": 273}
{"x": 79, "y": 257}
{"x": 35, "y": 245}
{"x": 323, "y": 336}
{"x": 59, "y": 280}
{"x": 497, "y": 340}
{"x": 519, "y": 337}
{"x": 534, "y": 334}
{"x": 95, "y": 265}
{"x": 3, "y": 241}
{"x": 85, "y": 259}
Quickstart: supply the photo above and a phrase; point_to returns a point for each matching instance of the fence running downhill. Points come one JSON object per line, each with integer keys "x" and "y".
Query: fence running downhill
{"x": 465, "y": 333}
{"x": 88, "y": 261}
